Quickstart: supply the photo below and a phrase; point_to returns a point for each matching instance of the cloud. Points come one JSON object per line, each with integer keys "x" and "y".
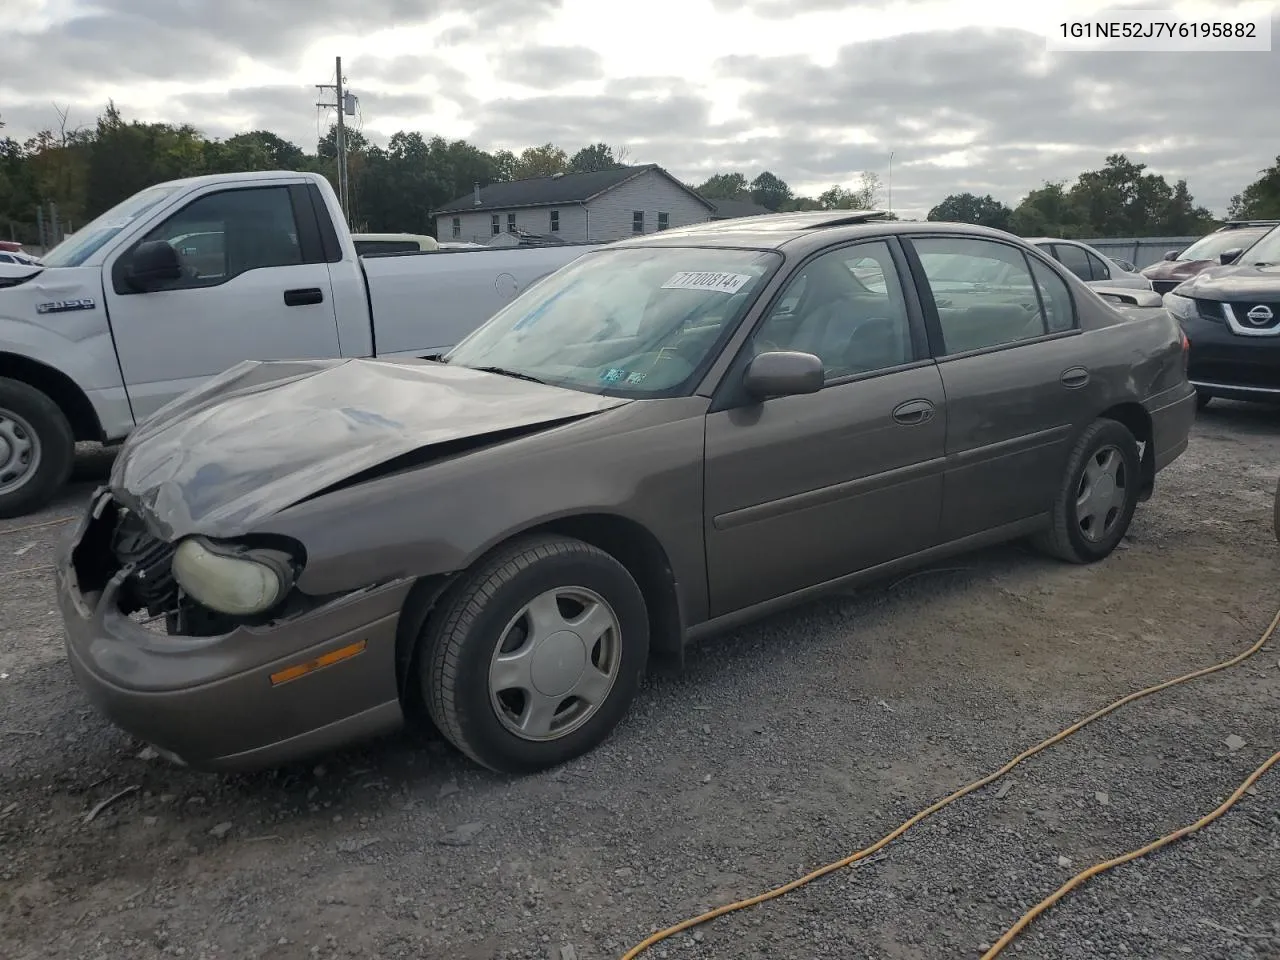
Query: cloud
{"x": 548, "y": 67}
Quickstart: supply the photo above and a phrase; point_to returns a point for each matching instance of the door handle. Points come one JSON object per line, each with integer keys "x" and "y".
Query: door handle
{"x": 303, "y": 297}
{"x": 913, "y": 412}
{"x": 1075, "y": 377}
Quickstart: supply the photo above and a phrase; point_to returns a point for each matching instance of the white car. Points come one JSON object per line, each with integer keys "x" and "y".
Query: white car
{"x": 1090, "y": 265}
{"x": 21, "y": 259}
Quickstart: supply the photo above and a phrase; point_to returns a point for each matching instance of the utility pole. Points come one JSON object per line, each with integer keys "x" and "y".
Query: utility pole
{"x": 891, "y": 181}
{"x": 344, "y": 103}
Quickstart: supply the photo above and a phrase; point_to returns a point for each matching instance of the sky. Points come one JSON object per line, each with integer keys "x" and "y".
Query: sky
{"x": 964, "y": 95}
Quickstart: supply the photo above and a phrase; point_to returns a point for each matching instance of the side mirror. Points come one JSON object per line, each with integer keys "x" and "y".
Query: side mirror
{"x": 783, "y": 373}
{"x": 1170, "y": 255}
{"x": 153, "y": 263}
{"x": 1230, "y": 256}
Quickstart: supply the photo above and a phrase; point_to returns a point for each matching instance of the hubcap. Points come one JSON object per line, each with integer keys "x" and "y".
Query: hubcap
{"x": 19, "y": 452}
{"x": 1101, "y": 496}
{"x": 555, "y": 663}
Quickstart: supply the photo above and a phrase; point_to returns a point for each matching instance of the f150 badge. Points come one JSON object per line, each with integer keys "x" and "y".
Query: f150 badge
{"x": 65, "y": 306}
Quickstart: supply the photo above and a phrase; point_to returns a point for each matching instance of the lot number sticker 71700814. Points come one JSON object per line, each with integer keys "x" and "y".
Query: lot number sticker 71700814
{"x": 699, "y": 280}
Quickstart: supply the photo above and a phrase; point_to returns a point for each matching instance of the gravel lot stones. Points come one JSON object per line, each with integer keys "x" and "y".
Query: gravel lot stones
{"x": 780, "y": 748}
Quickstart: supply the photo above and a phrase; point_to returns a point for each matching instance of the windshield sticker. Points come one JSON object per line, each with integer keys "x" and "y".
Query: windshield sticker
{"x": 695, "y": 280}
{"x": 619, "y": 375}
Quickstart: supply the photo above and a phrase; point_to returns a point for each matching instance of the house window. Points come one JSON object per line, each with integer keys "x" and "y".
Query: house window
{"x": 493, "y": 222}
{"x": 664, "y": 221}
{"x": 457, "y": 227}
{"x": 637, "y": 221}
{"x": 555, "y": 221}
{"x": 511, "y": 223}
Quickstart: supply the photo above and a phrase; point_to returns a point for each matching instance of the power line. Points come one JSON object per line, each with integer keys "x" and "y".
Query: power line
{"x": 345, "y": 103}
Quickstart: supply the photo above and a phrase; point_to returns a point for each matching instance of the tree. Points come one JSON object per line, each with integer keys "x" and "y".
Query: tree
{"x": 544, "y": 161}
{"x": 1260, "y": 200}
{"x": 1123, "y": 200}
{"x": 866, "y": 196}
{"x": 594, "y": 159}
{"x": 724, "y": 186}
{"x": 985, "y": 211}
{"x": 770, "y": 191}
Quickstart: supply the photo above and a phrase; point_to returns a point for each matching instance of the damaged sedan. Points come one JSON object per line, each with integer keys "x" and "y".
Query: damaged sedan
{"x": 666, "y": 438}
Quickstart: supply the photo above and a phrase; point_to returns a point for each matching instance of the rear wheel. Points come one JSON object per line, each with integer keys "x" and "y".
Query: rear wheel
{"x": 37, "y": 448}
{"x": 534, "y": 656}
{"x": 1098, "y": 495}
{"x": 1202, "y": 399}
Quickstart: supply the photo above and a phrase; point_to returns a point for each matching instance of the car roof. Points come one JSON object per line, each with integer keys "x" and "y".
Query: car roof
{"x": 799, "y": 231}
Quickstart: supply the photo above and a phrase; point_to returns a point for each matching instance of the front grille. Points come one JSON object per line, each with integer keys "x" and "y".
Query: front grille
{"x": 1243, "y": 307}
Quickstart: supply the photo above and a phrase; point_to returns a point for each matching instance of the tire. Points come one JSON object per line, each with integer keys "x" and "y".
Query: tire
{"x": 483, "y": 616}
{"x": 29, "y": 417}
{"x": 1067, "y": 538}
{"x": 1202, "y": 399}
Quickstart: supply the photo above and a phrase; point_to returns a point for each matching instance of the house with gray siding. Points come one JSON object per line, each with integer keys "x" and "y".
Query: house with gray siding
{"x": 574, "y": 207}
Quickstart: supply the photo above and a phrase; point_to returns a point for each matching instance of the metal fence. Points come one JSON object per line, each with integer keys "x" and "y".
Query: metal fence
{"x": 1140, "y": 251}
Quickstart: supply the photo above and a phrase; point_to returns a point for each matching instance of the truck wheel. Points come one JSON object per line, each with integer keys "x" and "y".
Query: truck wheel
{"x": 37, "y": 448}
{"x": 534, "y": 656}
{"x": 1098, "y": 495}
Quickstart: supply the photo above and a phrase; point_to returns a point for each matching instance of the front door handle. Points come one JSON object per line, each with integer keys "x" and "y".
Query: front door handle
{"x": 1075, "y": 377}
{"x": 304, "y": 297}
{"x": 913, "y": 412}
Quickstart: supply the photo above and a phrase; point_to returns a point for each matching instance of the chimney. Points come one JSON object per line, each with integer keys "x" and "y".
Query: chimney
{"x": 476, "y": 202}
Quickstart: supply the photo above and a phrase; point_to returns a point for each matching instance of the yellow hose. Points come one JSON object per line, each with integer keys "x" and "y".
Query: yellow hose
{"x": 930, "y": 810}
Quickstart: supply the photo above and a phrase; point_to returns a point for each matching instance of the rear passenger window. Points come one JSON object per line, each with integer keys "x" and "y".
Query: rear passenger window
{"x": 1100, "y": 271}
{"x": 1075, "y": 260}
{"x": 1058, "y": 305}
{"x": 983, "y": 291}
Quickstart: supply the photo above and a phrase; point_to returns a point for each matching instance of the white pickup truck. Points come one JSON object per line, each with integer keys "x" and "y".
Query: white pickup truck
{"x": 185, "y": 279}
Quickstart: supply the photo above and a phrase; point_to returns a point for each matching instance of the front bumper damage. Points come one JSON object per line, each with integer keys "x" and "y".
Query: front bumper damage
{"x": 227, "y": 702}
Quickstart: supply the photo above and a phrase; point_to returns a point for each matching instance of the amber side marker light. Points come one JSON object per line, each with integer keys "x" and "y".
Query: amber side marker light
{"x": 324, "y": 660}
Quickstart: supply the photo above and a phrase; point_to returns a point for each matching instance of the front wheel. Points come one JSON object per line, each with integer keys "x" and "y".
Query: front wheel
{"x": 37, "y": 448}
{"x": 535, "y": 655}
{"x": 1099, "y": 493}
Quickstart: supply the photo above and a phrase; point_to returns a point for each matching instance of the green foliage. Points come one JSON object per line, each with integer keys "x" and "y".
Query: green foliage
{"x": 397, "y": 187}
{"x": 1260, "y": 200}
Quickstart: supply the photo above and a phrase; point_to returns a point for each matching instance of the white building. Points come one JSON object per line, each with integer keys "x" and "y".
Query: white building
{"x": 575, "y": 207}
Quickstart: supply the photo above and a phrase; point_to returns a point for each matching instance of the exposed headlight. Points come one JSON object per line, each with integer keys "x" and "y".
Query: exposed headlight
{"x": 1181, "y": 308}
{"x": 231, "y": 579}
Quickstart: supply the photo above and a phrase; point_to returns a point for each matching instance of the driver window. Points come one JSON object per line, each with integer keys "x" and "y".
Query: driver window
{"x": 847, "y": 308}
{"x": 222, "y": 235}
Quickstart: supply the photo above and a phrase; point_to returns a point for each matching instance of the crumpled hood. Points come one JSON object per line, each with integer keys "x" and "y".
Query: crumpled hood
{"x": 264, "y": 435}
{"x": 1235, "y": 282}
{"x": 1175, "y": 269}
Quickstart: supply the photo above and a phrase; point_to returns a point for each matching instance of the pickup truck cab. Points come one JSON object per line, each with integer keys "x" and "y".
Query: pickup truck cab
{"x": 185, "y": 279}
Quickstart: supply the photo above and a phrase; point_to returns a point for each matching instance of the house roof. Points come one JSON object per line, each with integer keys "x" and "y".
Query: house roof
{"x": 729, "y": 209}
{"x": 551, "y": 191}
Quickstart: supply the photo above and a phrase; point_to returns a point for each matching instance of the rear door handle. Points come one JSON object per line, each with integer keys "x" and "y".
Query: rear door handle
{"x": 303, "y": 297}
{"x": 1075, "y": 377}
{"x": 913, "y": 412}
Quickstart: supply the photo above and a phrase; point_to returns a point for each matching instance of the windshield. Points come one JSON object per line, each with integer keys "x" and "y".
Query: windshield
{"x": 623, "y": 322}
{"x": 1264, "y": 253}
{"x": 1208, "y": 248}
{"x": 82, "y": 244}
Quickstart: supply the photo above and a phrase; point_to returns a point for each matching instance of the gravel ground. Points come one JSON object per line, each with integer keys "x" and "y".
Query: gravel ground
{"x": 778, "y": 749}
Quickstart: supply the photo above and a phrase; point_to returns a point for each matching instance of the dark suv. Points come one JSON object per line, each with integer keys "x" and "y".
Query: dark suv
{"x": 1222, "y": 246}
{"x": 1231, "y": 315}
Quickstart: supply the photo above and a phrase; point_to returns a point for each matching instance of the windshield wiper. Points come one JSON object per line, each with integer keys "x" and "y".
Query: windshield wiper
{"x": 504, "y": 372}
